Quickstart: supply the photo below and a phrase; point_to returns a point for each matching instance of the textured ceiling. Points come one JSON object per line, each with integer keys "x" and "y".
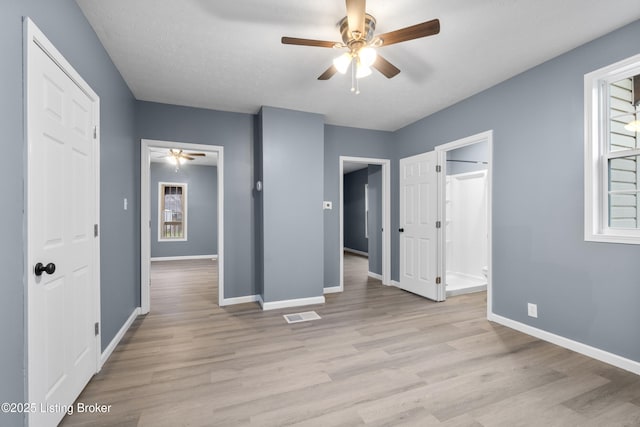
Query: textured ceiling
{"x": 227, "y": 55}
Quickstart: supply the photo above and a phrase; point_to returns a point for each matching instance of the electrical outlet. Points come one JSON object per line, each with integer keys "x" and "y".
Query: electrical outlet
{"x": 532, "y": 310}
{"x": 326, "y": 205}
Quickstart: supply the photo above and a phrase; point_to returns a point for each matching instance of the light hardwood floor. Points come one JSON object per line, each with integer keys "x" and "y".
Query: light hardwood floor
{"x": 378, "y": 357}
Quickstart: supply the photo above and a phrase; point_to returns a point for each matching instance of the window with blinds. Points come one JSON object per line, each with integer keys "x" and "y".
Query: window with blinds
{"x": 172, "y": 203}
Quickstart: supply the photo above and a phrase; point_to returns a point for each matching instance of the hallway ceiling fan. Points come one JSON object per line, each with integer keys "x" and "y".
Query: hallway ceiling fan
{"x": 177, "y": 156}
{"x": 357, "y": 30}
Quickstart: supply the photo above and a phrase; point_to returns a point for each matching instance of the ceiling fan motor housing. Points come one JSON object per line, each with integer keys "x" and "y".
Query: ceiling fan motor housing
{"x": 369, "y": 28}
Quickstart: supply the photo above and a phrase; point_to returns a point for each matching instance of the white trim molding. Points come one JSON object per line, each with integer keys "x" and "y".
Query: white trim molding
{"x": 375, "y": 275}
{"x": 275, "y": 305}
{"x": 116, "y": 340}
{"x": 587, "y": 350}
{"x": 240, "y": 300}
{"x": 183, "y": 258}
{"x": 332, "y": 289}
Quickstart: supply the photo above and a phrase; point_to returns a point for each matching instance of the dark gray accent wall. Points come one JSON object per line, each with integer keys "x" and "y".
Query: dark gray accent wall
{"x": 346, "y": 141}
{"x": 355, "y": 236}
{"x": 374, "y": 179}
{"x": 293, "y": 169}
{"x": 202, "y": 210}
{"x": 585, "y": 291}
{"x": 65, "y": 25}
{"x": 233, "y": 131}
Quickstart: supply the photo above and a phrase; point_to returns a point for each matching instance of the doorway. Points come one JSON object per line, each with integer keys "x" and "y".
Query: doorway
{"x": 465, "y": 206}
{"x": 179, "y": 222}
{"x": 440, "y": 242}
{"x": 466, "y": 219}
{"x": 374, "y": 227}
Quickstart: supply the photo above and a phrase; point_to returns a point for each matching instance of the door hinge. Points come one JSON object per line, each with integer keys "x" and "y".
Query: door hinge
{"x": 96, "y": 328}
{"x": 438, "y": 280}
{"x": 438, "y": 168}
{"x": 95, "y": 230}
{"x": 95, "y": 132}
{"x": 438, "y": 224}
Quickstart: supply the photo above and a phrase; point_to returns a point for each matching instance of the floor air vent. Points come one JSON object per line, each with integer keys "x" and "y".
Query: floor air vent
{"x": 301, "y": 317}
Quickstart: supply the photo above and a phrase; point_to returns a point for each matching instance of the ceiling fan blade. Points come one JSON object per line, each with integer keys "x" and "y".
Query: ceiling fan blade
{"x": 328, "y": 73}
{"x": 356, "y": 10}
{"x": 385, "y": 67}
{"x": 307, "y": 42}
{"x": 417, "y": 31}
{"x": 195, "y": 154}
{"x": 184, "y": 156}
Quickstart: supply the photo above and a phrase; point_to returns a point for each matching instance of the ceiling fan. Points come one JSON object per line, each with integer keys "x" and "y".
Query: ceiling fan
{"x": 177, "y": 156}
{"x": 357, "y": 30}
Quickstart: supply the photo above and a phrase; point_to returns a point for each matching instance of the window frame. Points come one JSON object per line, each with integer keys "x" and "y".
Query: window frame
{"x": 597, "y": 153}
{"x": 184, "y": 186}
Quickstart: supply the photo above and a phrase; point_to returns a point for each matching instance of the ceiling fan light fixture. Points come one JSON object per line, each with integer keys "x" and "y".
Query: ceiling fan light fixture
{"x": 342, "y": 62}
{"x": 362, "y": 71}
{"x": 367, "y": 56}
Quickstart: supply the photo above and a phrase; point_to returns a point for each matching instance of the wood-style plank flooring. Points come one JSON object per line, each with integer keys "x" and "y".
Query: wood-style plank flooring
{"x": 378, "y": 357}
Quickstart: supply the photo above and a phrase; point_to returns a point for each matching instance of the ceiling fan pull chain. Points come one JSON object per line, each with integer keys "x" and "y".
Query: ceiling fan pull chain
{"x": 353, "y": 74}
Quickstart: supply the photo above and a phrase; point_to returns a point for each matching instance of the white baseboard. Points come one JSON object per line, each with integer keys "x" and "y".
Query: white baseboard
{"x": 355, "y": 251}
{"x": 587, "y": 350}
{"x": 240, "y": 300}
{"x": 274, "y": 305}
{"x": 182, "y": 258}
{"x": 395, "y": 283}
{"x": 375, "y": 275}
{"x": 114, "y": 342}
{"x": 332, "y": 289}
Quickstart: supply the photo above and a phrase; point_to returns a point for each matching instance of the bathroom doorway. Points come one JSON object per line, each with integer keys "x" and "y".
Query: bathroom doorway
{"x": 466, "y": 213}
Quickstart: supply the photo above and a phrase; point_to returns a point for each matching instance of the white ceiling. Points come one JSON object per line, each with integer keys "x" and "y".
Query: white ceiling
{"x": 227, "y": 55}
{"x": 348, "y": 167}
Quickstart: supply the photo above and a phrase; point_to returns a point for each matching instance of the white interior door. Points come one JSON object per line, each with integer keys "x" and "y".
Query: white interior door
{"x": 62, "y": 280}
{"x": 418, "y": 230}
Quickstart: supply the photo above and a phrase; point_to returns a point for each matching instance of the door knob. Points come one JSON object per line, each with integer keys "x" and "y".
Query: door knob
{"x": 41, "y": 268}
{"x": 401, "y": 230}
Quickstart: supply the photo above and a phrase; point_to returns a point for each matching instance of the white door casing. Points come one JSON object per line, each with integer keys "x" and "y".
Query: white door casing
{"x": 443, "y": 149}
{"x": 419, "y": 237}
{"x": 63, "y": 207}
{"x": 145, "y": 216}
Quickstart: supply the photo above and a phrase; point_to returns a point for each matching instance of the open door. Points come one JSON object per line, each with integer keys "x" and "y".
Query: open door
{"x": 420, "y": 226}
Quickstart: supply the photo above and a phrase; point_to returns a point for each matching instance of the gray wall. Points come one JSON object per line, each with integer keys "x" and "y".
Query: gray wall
{"x": 292, "y": 146}
{"x": 354, "y": 210}
{"x": 202, "y": 210}
{"x": 64, "y": 24}
{"x": 346, "y": 141}
{"x": 478, "y": 152}
{"x": 374, "y": 173}
{"x": 235, "y": 132}
{"x": 585, "y": 291}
